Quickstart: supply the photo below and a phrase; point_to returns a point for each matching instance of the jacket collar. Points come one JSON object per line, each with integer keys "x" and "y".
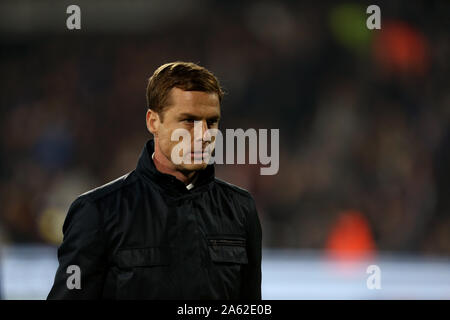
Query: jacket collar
{"x": 146, "y": 169}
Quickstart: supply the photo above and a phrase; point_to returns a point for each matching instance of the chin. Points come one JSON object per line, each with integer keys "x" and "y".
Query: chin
{"x": 193, "y": 167}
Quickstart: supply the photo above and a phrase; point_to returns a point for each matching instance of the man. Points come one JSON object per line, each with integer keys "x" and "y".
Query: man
{"x": 168, "y": 229}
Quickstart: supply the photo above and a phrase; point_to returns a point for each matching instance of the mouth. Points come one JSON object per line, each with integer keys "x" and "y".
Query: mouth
{"x": 199, "y": 155}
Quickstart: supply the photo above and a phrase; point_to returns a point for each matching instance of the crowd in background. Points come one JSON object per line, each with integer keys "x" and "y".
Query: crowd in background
{"x": 363, "y": 118}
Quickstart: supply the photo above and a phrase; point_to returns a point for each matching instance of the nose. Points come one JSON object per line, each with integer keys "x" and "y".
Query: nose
{"x": 207, "y": 135}
{"x": 200, "y": 130}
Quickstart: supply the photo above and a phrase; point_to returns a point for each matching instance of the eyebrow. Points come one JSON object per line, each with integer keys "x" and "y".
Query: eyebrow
{"x": 195, "y": 117}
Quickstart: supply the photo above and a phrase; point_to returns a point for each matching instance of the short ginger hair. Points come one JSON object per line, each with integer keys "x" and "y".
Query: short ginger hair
{"x": 187, "y": 76}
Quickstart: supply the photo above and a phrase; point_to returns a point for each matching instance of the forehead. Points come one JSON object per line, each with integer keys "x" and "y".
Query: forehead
{"x": 195, "y": 102}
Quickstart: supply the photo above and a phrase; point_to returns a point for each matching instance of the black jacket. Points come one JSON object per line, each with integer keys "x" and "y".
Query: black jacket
{"x": 145, "y": 236}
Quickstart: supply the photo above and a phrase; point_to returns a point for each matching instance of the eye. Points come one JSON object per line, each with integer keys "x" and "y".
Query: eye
{"x": 188, "y": 120}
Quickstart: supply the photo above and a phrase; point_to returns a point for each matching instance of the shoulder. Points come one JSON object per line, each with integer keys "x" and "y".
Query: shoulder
{"x": 236, "y": 191}
{"x": 244, "y": 200}
{"x": 231, "y": 187}
{"x": 109, "y": 189}
{"x": 84, "y": 213}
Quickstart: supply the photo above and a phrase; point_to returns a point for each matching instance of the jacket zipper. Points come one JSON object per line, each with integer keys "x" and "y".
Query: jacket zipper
{"x": 227, "y": 242}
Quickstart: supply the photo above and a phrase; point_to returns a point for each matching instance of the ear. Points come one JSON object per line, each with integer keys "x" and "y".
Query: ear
{"x": 153, "y": 122}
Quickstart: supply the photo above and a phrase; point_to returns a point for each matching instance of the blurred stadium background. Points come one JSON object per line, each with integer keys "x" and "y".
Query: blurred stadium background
{"x": 363, "y": 116}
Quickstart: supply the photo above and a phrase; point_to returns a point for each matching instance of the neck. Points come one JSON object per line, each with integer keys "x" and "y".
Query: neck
{"x": 164, "y": 165}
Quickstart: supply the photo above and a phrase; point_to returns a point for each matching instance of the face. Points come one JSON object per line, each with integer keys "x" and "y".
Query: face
{"x": 184, "y": 109}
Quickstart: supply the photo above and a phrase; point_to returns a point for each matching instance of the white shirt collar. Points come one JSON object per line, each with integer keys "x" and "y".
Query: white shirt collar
{"x": 191, "y": 185}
